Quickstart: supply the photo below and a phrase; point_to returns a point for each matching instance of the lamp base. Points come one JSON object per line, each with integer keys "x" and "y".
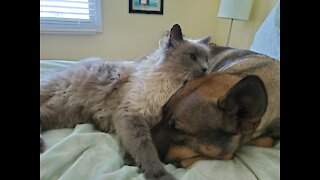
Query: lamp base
{"x": 229, "y": 32}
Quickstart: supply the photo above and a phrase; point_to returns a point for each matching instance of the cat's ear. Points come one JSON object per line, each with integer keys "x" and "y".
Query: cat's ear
{"x": 204, "y": 40}
{"x": 244, "y": 104}
{"x": 175, "y": 36}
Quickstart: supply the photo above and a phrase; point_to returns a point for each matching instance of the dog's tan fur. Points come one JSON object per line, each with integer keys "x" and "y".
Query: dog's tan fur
{"x": 210, "y": 89}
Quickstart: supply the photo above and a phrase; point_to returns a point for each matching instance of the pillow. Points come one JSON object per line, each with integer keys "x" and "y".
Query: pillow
{"x": 277, "y": 16}
{"x": 267, "y": 38}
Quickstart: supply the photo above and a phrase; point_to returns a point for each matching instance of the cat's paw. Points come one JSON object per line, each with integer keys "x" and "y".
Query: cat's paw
{"x": 128, "y": 160}
{"x": 166, "y": 176}
{"x": 158, "y": 175}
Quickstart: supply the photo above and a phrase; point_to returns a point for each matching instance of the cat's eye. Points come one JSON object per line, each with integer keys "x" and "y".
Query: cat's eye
{"x": 193, "y": 56}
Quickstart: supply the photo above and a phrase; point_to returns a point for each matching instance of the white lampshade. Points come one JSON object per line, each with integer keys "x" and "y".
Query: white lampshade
{"x": 235, "y": 9}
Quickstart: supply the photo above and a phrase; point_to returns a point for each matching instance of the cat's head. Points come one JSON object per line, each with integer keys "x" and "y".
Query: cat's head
{"x": 187, "y": 58}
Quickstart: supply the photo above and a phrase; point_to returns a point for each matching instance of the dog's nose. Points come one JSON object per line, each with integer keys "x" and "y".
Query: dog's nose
{"x": 204, "y": 69}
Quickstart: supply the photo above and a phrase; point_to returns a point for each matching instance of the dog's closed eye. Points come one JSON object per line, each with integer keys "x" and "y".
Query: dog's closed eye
{"x": 174, "y": 128}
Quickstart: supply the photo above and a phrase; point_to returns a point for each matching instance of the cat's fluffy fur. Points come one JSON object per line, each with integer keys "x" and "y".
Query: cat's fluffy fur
{"x": 126, "y": 98}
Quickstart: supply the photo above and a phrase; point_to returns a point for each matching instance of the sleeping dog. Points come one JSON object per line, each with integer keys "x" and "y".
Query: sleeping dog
{"x": 210, "y": 118}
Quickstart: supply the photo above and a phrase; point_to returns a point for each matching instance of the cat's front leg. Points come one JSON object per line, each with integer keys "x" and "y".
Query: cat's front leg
{"x": 136, "y": 139}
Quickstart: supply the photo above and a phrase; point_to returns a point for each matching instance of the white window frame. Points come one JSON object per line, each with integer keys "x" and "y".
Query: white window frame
{"x": 55, "y": 26}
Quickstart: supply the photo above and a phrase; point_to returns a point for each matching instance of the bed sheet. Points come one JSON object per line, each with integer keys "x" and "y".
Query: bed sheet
{"x": 85, "y": 153}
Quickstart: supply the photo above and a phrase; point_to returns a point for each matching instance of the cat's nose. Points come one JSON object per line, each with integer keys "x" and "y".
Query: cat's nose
{"x": 204, "y": 69}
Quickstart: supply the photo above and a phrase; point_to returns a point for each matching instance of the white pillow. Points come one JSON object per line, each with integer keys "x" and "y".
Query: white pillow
{"x": 267, "y": 38}
{"x": 277, "y": 16}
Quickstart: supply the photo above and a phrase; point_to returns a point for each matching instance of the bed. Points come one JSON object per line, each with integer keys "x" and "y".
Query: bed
{"x": 85, "y": 153}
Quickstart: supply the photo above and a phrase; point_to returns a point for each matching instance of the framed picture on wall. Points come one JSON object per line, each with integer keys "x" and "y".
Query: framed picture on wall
{"x": 146, "y": 6}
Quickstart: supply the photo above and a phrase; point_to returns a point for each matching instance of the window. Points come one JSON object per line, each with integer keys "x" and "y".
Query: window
{"x": 70, "y": 16}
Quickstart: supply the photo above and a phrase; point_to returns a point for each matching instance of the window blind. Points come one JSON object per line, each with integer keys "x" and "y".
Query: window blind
{"x": 70, "y": 16}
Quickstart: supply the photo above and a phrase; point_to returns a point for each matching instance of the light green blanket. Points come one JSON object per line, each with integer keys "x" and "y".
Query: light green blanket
{"x": 84, "y": 153}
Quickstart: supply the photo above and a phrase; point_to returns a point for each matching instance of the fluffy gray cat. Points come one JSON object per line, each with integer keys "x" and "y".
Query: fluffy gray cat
{"x": 125, "y": 98}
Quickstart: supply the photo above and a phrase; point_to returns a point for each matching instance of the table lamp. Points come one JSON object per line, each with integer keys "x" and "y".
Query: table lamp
{"x": 235, "y": 9}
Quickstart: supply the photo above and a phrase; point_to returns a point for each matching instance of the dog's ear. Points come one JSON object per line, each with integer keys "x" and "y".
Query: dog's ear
{"x": 244, "y": 105}
{"x": 175, "y": 36}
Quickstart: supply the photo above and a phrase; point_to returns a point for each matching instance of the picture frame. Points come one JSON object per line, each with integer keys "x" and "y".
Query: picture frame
{"x": 146, "y": 6}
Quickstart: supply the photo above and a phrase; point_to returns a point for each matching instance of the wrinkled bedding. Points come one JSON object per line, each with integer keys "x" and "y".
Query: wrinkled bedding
{"x": 85, "y": 153}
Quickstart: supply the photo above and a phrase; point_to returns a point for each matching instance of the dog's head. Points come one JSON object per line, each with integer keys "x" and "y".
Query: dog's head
{"x": 212, "y": 116}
